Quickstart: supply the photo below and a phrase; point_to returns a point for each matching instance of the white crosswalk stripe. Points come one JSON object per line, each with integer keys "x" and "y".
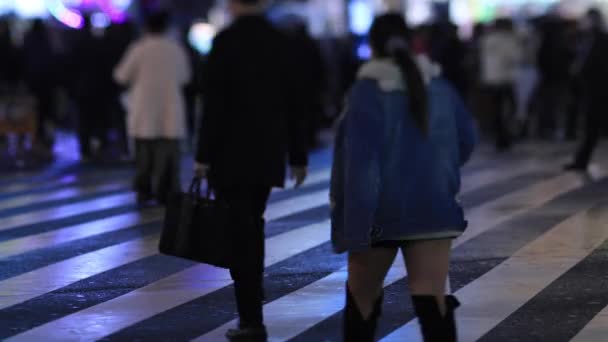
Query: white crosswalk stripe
{"x": 488, "y": 300}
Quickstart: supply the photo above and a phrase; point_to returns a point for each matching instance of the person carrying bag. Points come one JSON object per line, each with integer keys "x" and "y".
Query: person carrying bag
{"x": 196, "y": 228}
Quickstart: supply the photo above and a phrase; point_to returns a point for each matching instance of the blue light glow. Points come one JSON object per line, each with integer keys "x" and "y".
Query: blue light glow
{"x": 361, "y": 14}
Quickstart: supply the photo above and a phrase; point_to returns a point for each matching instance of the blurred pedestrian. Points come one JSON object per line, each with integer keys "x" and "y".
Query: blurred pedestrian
{"x": 156, "y": 68}
{"x": 251, "y": 129}
{"x": 10, "y": 66}
{"x": 501, "y": 53}
{"x": 39, "y": 61}
{"x": 395, "y": 179}
{"x": 448, "y": 50}
{"x": 91, "y": 91}
{"x": 593, "y": 69}
{"x": 116, "y": 41}
{"x": 554, "y": 61}
{"x": 311, "y": 78}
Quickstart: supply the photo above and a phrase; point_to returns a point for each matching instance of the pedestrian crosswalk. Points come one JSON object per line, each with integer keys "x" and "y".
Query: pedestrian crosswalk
{"x": 78, "y": 262}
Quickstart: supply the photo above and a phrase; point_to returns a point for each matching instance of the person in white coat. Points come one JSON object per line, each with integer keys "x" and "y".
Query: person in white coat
{"x": 501, "y": 56}
{"x": 156, "y": 69}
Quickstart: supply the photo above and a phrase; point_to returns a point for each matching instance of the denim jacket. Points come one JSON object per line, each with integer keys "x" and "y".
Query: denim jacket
{"x": 390, "y": 180}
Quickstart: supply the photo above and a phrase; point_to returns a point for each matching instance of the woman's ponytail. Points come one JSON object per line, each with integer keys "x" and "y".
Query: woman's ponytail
{"x": 416, "y": 87}
{"x": 388, "y": 37}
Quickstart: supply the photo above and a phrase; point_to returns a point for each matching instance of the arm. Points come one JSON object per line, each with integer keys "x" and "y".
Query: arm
{"x": 214, "y": 102}
{"x": 184, "y": 67}
{"x": 126, "y": 70}
{"x": 467, "y": 133}
{"x": 298, "y": 117}
{"x": 363, "y": 136}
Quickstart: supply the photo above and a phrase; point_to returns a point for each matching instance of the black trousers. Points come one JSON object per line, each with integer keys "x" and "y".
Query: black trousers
{"x": 247, "y": 207}
{"x": 157, "y": 163}
{"x": 503, "y": 99}
{"x": 92, "y": 123}
{"x": 595, "y": 124}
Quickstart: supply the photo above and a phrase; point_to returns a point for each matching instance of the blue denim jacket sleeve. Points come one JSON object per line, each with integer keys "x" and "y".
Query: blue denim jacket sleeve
{"x": 467, "y": 132}
{"x": 357, "y": 163}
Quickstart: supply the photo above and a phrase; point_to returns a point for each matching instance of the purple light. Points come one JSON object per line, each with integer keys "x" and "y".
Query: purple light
{"x": 68, "y": 17}
{"x": 115, "y": 10}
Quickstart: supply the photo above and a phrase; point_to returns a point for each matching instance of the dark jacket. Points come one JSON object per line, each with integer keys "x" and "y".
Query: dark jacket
{"x": 389, "y": 181}
{"x": 253, "y": 122}
{"x": 595, "y": 70}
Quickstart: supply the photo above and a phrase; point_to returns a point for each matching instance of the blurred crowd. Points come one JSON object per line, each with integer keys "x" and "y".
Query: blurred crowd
{"x": 533, "y": 78}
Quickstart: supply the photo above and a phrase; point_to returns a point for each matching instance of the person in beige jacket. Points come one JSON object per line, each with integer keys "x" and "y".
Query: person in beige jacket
{"x": 156, "y": 69}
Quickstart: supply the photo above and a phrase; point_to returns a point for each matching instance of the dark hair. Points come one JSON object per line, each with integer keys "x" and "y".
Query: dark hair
{"x": 596, "y": 17}
{"x": 158, "y": 22}
{"x": 386, "y": 30}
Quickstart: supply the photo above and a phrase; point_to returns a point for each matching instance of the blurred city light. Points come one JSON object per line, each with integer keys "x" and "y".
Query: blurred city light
{"x": 361, "y": 16}
{"x": 201, "y": 37}
{"x": 68, "y": 17}
{"x": 68, "y": 12}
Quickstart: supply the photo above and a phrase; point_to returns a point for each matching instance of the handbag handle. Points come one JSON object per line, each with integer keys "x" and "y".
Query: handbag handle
{"x": 195, "y": 188}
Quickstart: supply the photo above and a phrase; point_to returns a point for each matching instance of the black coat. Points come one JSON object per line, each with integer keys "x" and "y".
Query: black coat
{"x": 253, "y": 121}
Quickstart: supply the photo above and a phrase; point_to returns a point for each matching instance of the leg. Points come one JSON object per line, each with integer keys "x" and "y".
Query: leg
{"x": 143, "y": 164}
{"x": 428, "y": 264}
{"x": 505, "y": 99}
{"x": 248, "y": 206}
{"x": 366, "y": 273}
{"x": 166, "y": 166}
{"x": 84, "y": 130}
{"x": 592, "y": 134}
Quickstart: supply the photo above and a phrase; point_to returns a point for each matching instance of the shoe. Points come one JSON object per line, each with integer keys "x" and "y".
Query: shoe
{"x": 355, "y": 327}
{"x": 435, "y": 326}
{"x": 575, "y": 167}
{"x": 142, "y": 199}
{"x": 252, "y": 334}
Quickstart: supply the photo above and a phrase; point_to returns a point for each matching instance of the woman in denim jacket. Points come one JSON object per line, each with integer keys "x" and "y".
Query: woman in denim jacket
{"x": 395, "y": 179}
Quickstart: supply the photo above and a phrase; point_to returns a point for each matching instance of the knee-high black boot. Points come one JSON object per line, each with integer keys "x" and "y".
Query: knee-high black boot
{"x": 435, "y": 326}
{"x": 355, "y": 327}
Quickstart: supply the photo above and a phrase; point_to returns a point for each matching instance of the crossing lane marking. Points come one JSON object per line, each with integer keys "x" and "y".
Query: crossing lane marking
{"x": 77, "y": 232}
{"x": 63, "y": 194}
{"x": 283, "y": 327}
{"x": 490, "y": 299}
{"x": 95, "y": 322}
{"x": 596, "y": 330}
{"x": 65, "y": 211}
{"x": 50, "y": 278}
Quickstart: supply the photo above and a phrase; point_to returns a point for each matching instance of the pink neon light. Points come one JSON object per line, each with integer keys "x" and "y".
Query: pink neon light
{"x": 115, "y": 14}
{"x": 70, "y": 18}
{"x": 74, "y": 19}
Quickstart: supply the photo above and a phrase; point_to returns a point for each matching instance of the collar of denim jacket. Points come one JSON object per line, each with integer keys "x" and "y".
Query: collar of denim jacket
{"x": 387, "y": 73}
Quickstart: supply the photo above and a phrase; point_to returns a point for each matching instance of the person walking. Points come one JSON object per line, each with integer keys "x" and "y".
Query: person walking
{"x": 92, "y": 97}
{"x": 156, "y": 68}
{"x": 501, "y": 54}
{"x": 252, "y": 126}
{"x": 593, "y": 72}
{"x": 395, "y": 178}
{"x": 39, "y": 62}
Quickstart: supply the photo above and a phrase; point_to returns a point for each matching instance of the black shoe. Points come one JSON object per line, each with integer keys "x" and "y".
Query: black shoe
{"x": 435, "y": 326}
{"x": 143, "y": 200}
{"x": 253, "y": 334}
{"x": 575, "y": 167}
{"x": 355, "y": 327}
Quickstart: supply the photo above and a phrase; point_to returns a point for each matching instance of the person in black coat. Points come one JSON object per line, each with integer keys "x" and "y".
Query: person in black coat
{"x": 593, "y": 72}
{"x": 253, "y": 125}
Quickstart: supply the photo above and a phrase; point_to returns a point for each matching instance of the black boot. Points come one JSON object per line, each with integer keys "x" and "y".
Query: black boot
{"x": 248, "y": 333}
{"x": 436, "y": 327}
{"x": 355, "y": 327}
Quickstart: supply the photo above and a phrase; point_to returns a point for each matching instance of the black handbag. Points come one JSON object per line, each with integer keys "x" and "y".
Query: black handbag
{"x": 197, "y": 228}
